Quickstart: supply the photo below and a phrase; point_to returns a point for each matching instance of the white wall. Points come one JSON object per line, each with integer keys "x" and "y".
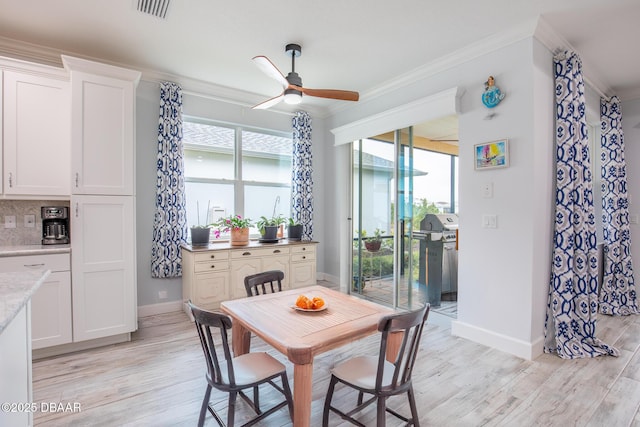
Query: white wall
{"x": 503, "y": 272}
{"x": 631, "y": 129}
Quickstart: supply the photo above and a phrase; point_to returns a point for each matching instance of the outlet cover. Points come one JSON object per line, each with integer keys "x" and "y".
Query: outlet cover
{"x": 10, "y": 221}
{"x": 29, "y": 221}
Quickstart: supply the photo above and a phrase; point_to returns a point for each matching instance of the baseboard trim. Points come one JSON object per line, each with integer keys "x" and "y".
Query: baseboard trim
{"x": 161, "y": 308}
{"x": 519, "y": 348}
{"x": 57, "y": 350}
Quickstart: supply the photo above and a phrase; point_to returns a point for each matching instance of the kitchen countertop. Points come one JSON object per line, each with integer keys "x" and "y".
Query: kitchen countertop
{"x": 34, "y": 250}
{"x": 16, "y": 289}
{"x": 252, "y": 244}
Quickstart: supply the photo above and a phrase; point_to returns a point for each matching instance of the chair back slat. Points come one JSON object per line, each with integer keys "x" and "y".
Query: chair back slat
{"x": 265, "y": 282}
{"x": 205, "y": 321}
{"x": 411, "y": 325}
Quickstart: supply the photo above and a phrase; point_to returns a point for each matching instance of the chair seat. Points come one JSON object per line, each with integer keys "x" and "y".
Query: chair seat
{"x": 361, "y": 372}
{"x": 251, "y": 368}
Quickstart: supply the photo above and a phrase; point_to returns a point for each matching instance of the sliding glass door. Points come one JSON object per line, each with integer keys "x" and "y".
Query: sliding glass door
{"x": 383, "y": 261}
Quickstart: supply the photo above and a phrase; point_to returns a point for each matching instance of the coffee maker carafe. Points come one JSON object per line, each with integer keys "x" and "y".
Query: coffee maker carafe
{"x": 55, "y": 225}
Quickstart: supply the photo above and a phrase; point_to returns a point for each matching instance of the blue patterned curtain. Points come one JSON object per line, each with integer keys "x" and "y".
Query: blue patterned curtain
{"x": 618, "y": 293}
{"x": 301, "y": 175}
{"x": 570, "y": 324}
{"x": 170, "y": 222}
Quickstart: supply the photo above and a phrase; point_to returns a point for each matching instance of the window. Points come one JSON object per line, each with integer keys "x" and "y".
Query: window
{"x": 235, "y": 170}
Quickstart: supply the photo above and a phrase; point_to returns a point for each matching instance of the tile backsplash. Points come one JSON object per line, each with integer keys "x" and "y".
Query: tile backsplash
{"x": 21, "y": 235}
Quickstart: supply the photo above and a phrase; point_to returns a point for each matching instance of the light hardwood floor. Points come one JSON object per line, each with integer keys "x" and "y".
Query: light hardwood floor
{"x": 158, "y": 380}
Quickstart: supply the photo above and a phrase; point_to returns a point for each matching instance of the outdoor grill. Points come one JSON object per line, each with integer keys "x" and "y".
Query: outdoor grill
{"x": 438, "y": 262}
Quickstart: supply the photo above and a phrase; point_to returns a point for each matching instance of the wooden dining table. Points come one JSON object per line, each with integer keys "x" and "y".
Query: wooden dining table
{"x": 301, "y": 335}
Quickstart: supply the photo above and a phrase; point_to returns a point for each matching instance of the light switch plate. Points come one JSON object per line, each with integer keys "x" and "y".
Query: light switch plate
{"x": 489, "y": 221}
{"x": 487, "y": 190}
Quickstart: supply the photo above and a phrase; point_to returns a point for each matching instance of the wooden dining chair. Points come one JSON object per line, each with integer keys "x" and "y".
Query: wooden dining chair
{"x": 233, "y": 375}
{"x": 265, "y": 282}
{"x": 378, "y": 377}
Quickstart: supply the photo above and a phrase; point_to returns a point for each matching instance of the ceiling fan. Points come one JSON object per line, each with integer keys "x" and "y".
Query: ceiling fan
{"x": 292, "y": 83}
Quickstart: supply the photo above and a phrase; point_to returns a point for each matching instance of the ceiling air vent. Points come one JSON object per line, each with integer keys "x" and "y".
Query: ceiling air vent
{"x": 157, "y": 8}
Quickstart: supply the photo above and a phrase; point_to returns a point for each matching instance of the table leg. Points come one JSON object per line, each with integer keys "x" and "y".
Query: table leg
{"x": 240, "y": 339}
{"x": 302, "y": 382}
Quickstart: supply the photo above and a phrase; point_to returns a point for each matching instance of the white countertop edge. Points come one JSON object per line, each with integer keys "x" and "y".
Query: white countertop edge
{"x": 18, "y": 250}
{"x": 16, "y": 289}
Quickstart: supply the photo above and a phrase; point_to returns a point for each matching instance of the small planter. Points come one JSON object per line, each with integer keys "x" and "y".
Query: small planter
{"x": 270, "y": 232}
{"x": 239, "y": 236}
{"x": 294, "y": 232}
{"x": 200, "y": 236}
{"x": 372, "y": 246}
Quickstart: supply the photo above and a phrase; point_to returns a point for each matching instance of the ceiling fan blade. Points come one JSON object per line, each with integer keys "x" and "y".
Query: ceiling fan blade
{"x": 344, "y": 95}
{"x": 270, "y": 70}
{"x": 269, "y": 102}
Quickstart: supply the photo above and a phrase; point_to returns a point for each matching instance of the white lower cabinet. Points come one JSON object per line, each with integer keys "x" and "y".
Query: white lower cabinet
{"x": 51, "y": 304}
{"x": 211, "y": 276}
{"x": 103, "y": 266}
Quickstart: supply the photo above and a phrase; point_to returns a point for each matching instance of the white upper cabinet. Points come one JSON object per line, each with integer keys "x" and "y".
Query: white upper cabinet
{"x": 36, "y": 133}
{"x": 103, "y": 127}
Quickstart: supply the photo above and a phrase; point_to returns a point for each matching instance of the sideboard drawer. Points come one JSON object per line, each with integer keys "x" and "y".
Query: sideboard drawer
{"x": 299, "y": 257}
{"x": 259, "y": 252}
{"x": 299, "y": 249}
{"x": 211, "y": 256}
{"x": 213, "y": 265}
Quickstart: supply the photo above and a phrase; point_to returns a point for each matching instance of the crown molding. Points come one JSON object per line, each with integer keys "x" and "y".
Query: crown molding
{"x": 553, "y": 41}
{"x": 472, "y": 51}
{"x": 45, "y": 55}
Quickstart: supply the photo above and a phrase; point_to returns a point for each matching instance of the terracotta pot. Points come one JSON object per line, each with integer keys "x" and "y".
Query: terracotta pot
{"x": 373, "y": 246}
{"x": 239, "y": 236}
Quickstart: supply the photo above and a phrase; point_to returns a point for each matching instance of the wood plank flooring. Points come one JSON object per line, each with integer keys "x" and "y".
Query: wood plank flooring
{"x": 157, "y": 379}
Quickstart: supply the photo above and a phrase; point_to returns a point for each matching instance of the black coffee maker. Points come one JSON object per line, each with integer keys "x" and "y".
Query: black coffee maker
{"x": 55, "y": 225}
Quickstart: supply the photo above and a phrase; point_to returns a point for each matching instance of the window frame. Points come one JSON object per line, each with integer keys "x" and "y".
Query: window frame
{"x": 237, "y": 181}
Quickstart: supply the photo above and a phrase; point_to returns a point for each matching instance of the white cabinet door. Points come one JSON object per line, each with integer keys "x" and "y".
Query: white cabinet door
{"x": 51, "y": 303}
{"x": 51, "y": 312}
{"x": 36, "y": 114}
{"x": 103, "y": 266}
{"x": 241, "y": 268}
{"x": 278, "y": 262}
{"x": 102, "y": 127}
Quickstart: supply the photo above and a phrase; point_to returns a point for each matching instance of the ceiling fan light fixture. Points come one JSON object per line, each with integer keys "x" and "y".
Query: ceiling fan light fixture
{"x": 292, "y": 96}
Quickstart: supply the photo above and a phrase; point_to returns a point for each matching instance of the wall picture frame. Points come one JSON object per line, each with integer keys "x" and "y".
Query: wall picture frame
{"x": 491, "y": 155}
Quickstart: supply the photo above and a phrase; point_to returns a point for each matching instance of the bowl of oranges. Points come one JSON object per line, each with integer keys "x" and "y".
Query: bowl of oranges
{"x": 304, "y": 303}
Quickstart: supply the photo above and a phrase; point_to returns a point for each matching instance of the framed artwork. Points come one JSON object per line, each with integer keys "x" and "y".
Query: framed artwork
{"x": 491, "y": 155}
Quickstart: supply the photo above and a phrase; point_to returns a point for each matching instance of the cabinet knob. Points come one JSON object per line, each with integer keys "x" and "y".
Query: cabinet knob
{"x": 277, "y": 251}
{"x": 304, "y": 249}
{"x": 213, "y": 256}
{"x": 246, "y": 253}
{"x": 304, "y": 257}
{"x": 213, "y": 266}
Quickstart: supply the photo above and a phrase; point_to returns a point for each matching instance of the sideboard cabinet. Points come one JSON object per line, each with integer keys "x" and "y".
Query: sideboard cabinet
{"x": 216, "y": 273}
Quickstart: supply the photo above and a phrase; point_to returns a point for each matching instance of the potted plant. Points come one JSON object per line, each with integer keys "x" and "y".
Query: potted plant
{"x": 294, "y": 230}
{"x": 237, "y": 226}
{"x": 268, "y": 227}
{"x": 373, "y": 243}
{"x": 200, "y": 233}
